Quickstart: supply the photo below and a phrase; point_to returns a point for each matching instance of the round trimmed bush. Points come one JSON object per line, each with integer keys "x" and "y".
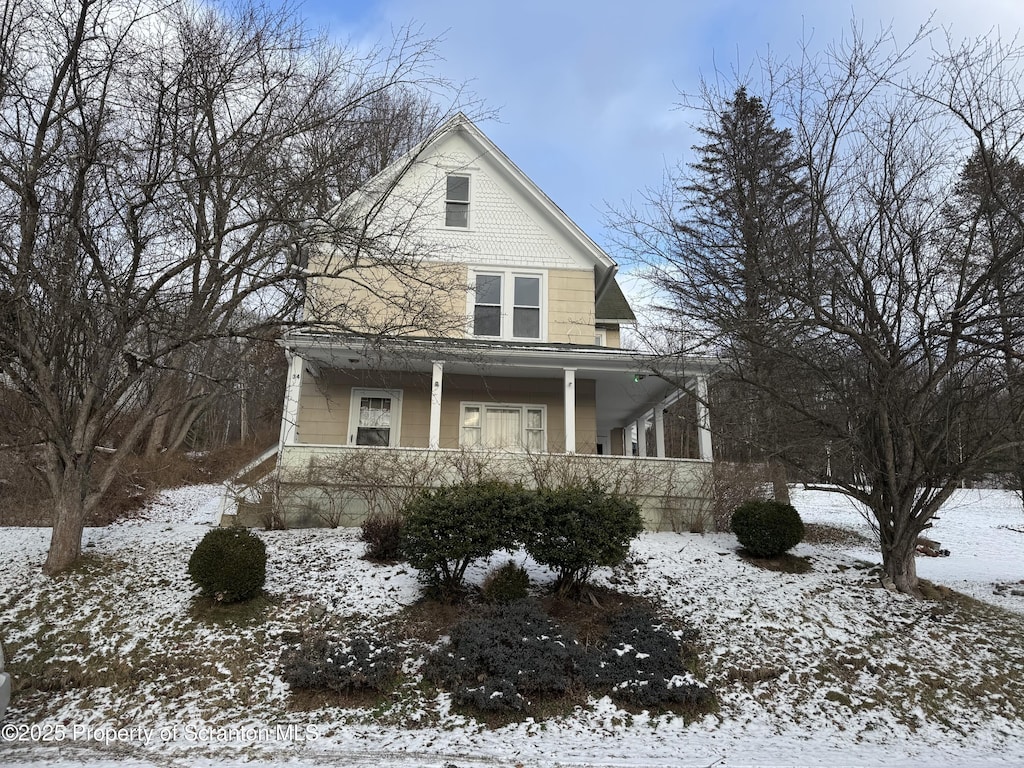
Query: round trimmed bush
{"x": 579, "y": 529}
{"x": 229, "y": 564}
{"x": 448, "y": 528}
{"x": 767, "y": 528}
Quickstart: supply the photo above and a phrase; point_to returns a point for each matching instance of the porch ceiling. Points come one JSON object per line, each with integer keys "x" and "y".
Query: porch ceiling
{"x": 628, "y": 383}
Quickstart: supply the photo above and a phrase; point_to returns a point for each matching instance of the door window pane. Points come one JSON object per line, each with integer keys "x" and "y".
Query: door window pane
{"x": 503, "y": 427}
{"x": 510, "y": 427}
{"x": 534, "y": 430}
{"x": 471, "y": 426}
{"x": 374, "y": 426}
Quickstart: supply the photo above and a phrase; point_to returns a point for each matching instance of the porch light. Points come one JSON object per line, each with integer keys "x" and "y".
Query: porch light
{"x": 638, "y": 377}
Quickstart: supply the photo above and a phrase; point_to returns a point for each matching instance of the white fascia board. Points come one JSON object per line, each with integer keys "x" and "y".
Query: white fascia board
{"x": 533, "y": 356}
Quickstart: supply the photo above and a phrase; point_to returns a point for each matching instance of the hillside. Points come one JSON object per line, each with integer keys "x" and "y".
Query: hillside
{"x": 816, "y": 668}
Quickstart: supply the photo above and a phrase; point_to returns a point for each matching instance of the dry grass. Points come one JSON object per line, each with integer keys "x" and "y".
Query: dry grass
{"x": 24, "y": 495}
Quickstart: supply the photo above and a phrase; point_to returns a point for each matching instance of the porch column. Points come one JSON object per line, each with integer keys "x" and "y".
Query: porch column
{"x": 570, "y": 409}
{"x": 434, "y": 439}
{"x": 659, "y": 431}
{"x": 290, "y": 412}
{"x": 641, "y": 437}
{"x": 703, "y": 420}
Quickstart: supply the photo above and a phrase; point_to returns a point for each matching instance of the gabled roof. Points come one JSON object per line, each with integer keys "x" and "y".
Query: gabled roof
{"x": 488, "y": 147}
{"x": 484, "y": 147}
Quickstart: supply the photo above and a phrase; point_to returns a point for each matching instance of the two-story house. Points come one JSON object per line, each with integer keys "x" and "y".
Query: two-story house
{"x": 528, "y": 371}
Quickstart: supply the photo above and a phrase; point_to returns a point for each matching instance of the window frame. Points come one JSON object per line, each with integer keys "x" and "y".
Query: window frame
{"x": 523, "y": 408}
{"x": 464, "y": 205}
{"x": 508, "y": 306}
{"x": 355, "y": 399}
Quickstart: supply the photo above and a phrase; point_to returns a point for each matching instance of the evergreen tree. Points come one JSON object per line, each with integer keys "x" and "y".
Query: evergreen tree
{"x": 743, "y": 212}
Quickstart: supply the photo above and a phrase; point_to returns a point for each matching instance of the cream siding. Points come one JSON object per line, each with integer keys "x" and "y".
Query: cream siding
{"x": 325, "y": 403}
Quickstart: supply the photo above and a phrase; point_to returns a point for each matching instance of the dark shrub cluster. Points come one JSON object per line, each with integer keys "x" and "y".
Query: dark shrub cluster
{"x": 382, "y": 532}
{"x": 573, "y": 530}
{"x": 360, "y": 665}
{"x": 494, "y": 662}
{"x": 507, "y": 583}
{"x": 767, "y": 528}
{"x": 642, "y": 663}
{"x": 229, "y": 564}
{"x": 504, "y": 659}
{"x": 448, "y": 528}
{"x": 580, "y": 528}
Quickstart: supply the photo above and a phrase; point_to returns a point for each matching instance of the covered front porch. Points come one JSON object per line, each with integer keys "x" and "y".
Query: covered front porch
{"x": 504, "y": 407}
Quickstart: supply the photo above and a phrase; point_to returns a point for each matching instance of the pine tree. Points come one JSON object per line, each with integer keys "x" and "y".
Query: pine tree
{"x": 743, "y": 213}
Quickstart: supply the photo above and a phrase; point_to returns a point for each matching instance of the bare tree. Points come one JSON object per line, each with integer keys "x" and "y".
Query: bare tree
{"x": 164, "y": 173}
{"x": 885, "y": 334}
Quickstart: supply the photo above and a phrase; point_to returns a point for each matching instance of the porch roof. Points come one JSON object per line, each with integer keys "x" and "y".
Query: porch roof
{"x": 629, "y": 383}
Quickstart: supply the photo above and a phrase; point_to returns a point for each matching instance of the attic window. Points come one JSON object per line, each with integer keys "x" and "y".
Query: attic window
{"x": 456, "y": 203}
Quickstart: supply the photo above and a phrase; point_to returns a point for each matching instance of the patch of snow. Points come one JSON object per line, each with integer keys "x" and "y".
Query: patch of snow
{"x": 802, "y": 664}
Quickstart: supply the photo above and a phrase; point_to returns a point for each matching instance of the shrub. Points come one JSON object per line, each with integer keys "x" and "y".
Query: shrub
{"x": 495, "y": 661}
{"x": 767, "y": 528}
{"x": 318, "y": 664}
{"x": 581, "y": 528}
{"x": 641, "y": 663}
{"x": 229, "y": 564}
{"x": 507, "y": 583}
{"x": 448, "y": 528}
{"x": 382, "y": 532}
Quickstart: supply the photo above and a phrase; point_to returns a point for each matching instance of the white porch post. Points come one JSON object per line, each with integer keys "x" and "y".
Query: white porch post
{"x": 641, "y": 437}
{"x": 703, "y": 420}
{"x": 570, "y": 409}
{"x": 659, "y": 431}
{"x": 434, "y": 439}
{"x": 290, "y": 413}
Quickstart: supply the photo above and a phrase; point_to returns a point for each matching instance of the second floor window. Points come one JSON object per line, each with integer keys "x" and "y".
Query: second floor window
{"x": 507, "y": 305}
{"x": 456, "y": 202}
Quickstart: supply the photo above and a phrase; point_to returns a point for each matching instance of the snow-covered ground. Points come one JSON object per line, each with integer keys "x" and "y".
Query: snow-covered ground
{"x": 820, "y": 668}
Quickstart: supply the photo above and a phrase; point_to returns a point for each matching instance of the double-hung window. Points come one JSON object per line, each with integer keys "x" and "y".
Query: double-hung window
{"x": 504, "y": 426}
{"x": 508, "y": 305}
{"x": 456, "y": 201}
{"x": 375, "y": 417}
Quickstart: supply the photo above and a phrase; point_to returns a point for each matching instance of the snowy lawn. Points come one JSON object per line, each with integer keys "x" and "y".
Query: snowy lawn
{"x": 817, "y": 668}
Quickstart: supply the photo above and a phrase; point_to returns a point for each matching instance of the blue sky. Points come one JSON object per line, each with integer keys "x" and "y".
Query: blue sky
{"x": 586, "y": 91}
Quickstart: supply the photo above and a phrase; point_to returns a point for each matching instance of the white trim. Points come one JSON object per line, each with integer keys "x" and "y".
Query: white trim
{"x": 292, "y": 391}
{"x": 507, "y": 310}
{"x": 523, "y": 407}
{"x": 601, "y": 337}
{"x": 436, "y": 384}
{"x": 659, "y": 431}
{"x": 395, "y": 395}
{"x": 569, "y": 377}
{"x": 703, "y": 420}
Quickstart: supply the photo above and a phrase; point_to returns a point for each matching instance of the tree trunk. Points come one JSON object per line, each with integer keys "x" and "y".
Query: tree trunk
{"x": 68, "y": 522}
{"x": 155, "y": 443}
{"x": 780, "y": 487}
{"x": 899, "y": 549}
